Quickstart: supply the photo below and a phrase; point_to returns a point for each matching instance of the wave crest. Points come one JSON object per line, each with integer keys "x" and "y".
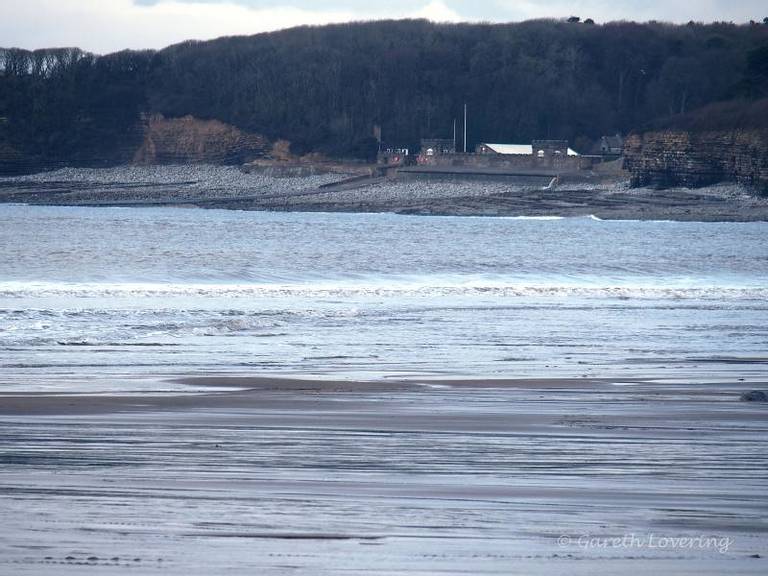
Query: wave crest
{"x": 432, "y": 288}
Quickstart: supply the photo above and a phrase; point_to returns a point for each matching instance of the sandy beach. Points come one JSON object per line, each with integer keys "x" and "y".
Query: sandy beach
{"x": 413, "y": 476}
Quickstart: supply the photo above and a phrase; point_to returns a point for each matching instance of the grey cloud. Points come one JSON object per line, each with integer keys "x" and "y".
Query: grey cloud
{"x": 503, "y": 10}
{"x": 109, "y": 25}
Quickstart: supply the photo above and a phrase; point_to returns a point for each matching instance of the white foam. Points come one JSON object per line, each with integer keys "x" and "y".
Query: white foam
{"x": 417, "y": 287}
{"x": 542, "y": 218}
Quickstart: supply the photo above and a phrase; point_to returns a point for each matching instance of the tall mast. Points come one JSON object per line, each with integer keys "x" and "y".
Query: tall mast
{"x": 465, "y": 128}
{"x": 454, "y": 135}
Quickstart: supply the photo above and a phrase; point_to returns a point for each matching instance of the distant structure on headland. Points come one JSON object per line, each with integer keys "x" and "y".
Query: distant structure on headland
{"x": 546, "y": 155}
{"x": 441, "y": 157}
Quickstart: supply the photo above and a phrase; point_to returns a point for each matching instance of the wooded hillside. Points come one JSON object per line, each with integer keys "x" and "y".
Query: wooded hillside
{"x": 325, "y": 88}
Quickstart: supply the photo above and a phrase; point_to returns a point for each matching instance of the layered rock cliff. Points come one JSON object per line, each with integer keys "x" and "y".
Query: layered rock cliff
{"x": 727, "y": 141}
{"x": 688, "y": 158}
{"x": 189, "y": 140}
{"x": 149, "y": 140}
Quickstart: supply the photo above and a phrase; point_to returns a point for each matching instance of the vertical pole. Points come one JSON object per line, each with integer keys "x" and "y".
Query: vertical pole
{"x": 465, "y": 128}
{"x": 454, "y": 135}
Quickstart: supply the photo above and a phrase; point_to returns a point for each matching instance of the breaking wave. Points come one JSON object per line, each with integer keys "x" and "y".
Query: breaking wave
{"x": 434, "y": 287}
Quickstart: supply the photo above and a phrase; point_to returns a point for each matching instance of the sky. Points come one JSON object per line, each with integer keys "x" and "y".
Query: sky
{"x": 103, "y": 26}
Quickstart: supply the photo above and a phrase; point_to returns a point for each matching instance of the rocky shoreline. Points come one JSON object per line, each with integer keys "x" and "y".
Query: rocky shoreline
{"x": 209, "y": 186}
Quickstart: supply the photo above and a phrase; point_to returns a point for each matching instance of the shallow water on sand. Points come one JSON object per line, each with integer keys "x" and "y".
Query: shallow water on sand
{"x": 109, "y": 296}
{"x": 436, "y": 477}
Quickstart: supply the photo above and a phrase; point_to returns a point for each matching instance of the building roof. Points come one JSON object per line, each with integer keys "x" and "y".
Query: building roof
{"x": 519, "y": 149}
{"x": 525, "y": 149}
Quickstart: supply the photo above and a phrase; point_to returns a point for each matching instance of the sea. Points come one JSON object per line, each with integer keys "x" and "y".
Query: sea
{"x": 128, "y": 299}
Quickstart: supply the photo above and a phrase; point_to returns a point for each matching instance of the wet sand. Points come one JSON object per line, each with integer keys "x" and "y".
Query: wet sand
{"x": 257, "y": 392}
{"x": 260, "y": 475}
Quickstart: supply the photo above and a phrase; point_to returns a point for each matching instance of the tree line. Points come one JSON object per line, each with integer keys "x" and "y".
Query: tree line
{"x": 325, "y": 88}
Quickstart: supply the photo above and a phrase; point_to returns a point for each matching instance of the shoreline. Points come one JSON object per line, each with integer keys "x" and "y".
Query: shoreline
{"x": 218, "y": 187}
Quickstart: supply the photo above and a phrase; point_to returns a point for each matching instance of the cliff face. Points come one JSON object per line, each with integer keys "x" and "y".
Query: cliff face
{"x": 190, "y": 140}
{"x": 150, "y": 140}
{"x": 691, "y": 158}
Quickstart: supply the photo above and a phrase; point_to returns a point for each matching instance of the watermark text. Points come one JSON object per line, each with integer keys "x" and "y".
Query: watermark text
{"x": 720, "y": 544}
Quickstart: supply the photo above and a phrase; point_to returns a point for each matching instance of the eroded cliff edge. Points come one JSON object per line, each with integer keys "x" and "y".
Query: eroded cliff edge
{"x": 692, "y": 159}
{"x": 149, "y": 140}
{"x": 722, "y": 143}
{"x": 190, "y": 140}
